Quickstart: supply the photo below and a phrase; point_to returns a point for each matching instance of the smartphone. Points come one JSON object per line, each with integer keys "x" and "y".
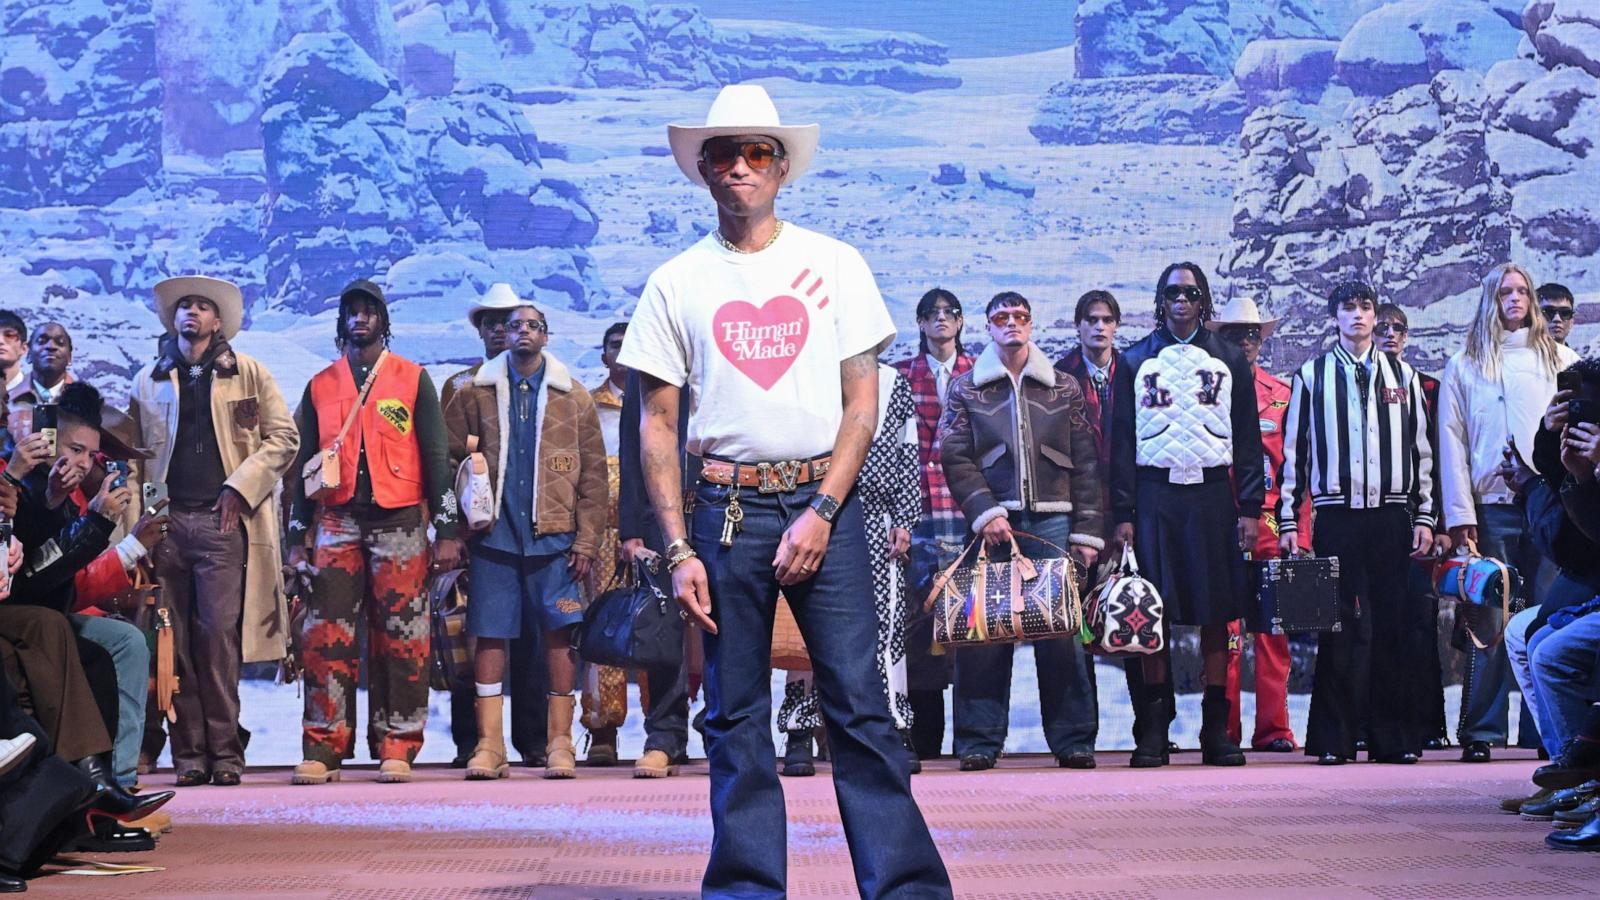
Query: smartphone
{"x": 1583, "y": 410}
{"x": 120, "y": 469}
{"x": 44, "y": 422}
{"x": 153, "y": 492}
{"x": 1568, "y": 380}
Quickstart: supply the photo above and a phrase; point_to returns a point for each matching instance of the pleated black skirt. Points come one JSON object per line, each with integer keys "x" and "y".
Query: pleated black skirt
{"x": 1187, "y": 540}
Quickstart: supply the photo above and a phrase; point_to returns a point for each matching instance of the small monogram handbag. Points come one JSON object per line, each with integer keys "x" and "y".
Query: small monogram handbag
{"x": 321, "y": 474}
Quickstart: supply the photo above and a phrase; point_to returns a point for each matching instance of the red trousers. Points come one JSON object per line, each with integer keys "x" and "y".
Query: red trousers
{"x": 1272, "y": 686}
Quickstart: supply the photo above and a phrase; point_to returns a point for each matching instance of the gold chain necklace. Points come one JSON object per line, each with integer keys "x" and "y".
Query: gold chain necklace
{"x": 728, "y": 245}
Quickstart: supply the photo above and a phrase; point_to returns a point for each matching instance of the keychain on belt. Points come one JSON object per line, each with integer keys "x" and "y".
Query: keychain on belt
{"x": 731, "y": 517}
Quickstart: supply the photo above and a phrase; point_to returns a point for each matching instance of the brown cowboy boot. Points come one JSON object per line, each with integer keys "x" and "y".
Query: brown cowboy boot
{"x": 488, "y": 760}
{"x": 561, "y": 760}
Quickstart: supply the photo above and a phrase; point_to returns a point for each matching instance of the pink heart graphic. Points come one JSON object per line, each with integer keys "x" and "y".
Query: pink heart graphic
{"x": 762, "y": 342}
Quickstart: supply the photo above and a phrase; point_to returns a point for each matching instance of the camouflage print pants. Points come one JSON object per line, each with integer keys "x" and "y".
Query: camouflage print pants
{"x": 374, "y": 561}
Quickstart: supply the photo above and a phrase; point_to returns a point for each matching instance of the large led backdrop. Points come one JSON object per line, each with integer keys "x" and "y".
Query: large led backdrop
{"x": 1045, "y": 147}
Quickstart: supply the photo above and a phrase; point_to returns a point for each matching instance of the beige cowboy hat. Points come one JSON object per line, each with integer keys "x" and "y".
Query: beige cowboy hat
{"x": 223, "y": 294}
{"x": 743, "y": 109}
{"x": 1242, "y": 311}
{"x": 119, "y": 436}
{"x": 499, "y": 297}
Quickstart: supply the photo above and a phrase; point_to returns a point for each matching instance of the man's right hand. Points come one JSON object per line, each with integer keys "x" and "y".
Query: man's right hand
{"x": 1555, "y": 415}
{"x": 1461, "y": 535}
{"x": 633, "y": 550}
{"x": 31, "y": 452}
{"x": 693, "y": 592}
{"x": 111, "y": 501}
{"x": 997, "y": 532}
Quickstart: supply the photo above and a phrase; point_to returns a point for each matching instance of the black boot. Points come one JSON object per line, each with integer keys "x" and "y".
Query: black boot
{"x": 912, "y": 760}
{"x": 1216, "y": 748}
{"x": 11, "y": 884}
{"x": 1151, "y": 750}
{"x": 1585, "y": 837}
{"x": 115, "y": 801}
{"x": 797, "y": 762}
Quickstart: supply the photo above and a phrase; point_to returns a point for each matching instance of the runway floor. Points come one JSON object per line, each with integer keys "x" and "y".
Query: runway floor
{"x": 1279, "y": 827}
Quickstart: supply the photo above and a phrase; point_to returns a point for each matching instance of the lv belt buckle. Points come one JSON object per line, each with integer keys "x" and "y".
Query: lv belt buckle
{"x": 778, "y": 477}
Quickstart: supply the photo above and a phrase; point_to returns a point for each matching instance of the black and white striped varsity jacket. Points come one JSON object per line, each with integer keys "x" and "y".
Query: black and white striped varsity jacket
{"x": 1354, "y": 455}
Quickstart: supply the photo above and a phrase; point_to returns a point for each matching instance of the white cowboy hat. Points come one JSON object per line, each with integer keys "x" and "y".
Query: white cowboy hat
{"x": 222, "y": 294}
{"x": 743, "y": 109}
{"x": 1242, "y": 311}
{"x": 500, "y": 296}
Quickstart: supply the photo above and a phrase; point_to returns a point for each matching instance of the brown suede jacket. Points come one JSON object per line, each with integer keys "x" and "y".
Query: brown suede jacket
{"x": 1033, "y": 453}
{"x": 570, "y": 492}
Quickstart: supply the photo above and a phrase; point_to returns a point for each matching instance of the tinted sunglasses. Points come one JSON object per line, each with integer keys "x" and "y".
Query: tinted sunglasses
{"x": 1558, "y": 312}
{"x": 953, "y": 312}
{"x": 1386, "y": 327}
{"x": 758, "y": 155}
{"x": 1021, "y": 317}
{"x": 1238, "y": 333}
{"x": 1172, "y": 293}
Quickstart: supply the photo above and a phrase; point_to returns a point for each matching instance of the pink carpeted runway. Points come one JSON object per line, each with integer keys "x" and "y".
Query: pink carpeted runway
{"x": 1280, "y": 827}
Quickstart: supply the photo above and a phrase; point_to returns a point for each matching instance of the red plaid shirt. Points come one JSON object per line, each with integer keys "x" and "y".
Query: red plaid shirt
{"x": 939, "y": 509}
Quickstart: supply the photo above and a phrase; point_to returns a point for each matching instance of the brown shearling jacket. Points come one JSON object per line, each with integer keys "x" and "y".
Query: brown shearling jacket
{"x": 570, "y": 492}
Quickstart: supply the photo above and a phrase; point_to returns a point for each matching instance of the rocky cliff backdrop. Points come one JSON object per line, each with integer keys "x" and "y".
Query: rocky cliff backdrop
{"x": 441, "y": 145}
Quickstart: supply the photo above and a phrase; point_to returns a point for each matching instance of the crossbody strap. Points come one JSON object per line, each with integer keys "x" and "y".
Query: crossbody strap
{"x": 361, "y": 400}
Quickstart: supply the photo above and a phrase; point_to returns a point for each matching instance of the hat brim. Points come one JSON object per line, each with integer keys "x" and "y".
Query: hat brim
{"x": 224, "y": 295}
{"x": 799, "y": 145}
{"x": 1267, "y": 326}
{"x": 113, "y": 420}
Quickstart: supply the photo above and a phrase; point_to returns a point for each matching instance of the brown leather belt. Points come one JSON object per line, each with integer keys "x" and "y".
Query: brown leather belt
{"x": 768, "y": 477}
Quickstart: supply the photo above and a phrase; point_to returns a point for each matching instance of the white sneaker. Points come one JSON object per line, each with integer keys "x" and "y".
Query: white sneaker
{"x": 14, "y": 750}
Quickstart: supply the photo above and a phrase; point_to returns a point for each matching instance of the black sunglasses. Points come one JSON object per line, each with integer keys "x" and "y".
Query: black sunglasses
{"x": 1558, "y": 312}
{"x": 720, "y": 155}
{"x": 1396, "y": 327}
{"x": 1187, "y": 292}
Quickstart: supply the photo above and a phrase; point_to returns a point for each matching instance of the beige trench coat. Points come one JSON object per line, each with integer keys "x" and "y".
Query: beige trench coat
{"x": 257, "y": 440}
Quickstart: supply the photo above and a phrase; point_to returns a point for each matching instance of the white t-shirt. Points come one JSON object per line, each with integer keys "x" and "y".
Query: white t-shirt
{"x": 758, "y": 338}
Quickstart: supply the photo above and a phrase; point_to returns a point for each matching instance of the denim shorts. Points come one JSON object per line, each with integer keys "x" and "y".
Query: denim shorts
{"x": 504, "y": 588}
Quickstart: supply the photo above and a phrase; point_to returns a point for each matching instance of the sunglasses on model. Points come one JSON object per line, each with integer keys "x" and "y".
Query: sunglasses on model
{"x": 1188, "y": 293}
{"x": 1021, "y": 317}
{"x": 758, "y": 155}
{"x": 938, "y": 312}
{"x": 521, "y": 325}
{"x": 1386, "y": 327}
{"x": 1558, "y": 312}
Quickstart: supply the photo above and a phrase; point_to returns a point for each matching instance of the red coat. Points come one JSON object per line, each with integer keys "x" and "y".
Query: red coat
{"x": 1272, "y": 405}
{"x": 98, "y": 583}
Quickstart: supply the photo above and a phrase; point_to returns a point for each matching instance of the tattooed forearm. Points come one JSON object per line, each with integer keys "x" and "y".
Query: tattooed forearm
{"x": 658, "y": 449}
{"x": 858, "y": 377}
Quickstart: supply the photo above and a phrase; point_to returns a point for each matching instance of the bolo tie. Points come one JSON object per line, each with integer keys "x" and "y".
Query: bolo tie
{"x": 522, "y": 401}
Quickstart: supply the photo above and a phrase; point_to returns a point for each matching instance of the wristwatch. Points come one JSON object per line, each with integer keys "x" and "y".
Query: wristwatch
{"x": 825, "y": 507}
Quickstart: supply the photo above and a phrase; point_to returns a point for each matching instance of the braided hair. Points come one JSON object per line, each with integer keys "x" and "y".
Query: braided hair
{"x": 1199, "y": 280}
{"x": 342, "y": 329}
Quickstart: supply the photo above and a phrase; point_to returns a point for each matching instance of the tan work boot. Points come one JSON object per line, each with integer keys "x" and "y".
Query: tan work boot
{"x": 654, "y": 764}
{"x": 488, "y": 761}
{"x": 313, "y": 772}
{"x": 560, "y": 758}
{"x": 394, "y": 771}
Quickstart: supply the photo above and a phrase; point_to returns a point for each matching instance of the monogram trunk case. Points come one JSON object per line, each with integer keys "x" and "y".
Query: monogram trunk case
{"x": 1296, "y": 595}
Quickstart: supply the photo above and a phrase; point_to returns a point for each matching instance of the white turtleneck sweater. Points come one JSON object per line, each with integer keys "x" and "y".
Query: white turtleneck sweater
{"x": 1477, "y": 414}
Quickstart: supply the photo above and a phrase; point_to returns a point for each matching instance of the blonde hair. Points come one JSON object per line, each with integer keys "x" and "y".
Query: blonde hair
{"x": 1487, "y": 332}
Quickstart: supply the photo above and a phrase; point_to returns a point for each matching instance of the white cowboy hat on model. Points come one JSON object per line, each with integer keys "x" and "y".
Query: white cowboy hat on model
{"x": 743, "y": 109}
{"x": 224, "y": 295}
{"x": 499, "y": 297}
{"x": 1242, "y": 311}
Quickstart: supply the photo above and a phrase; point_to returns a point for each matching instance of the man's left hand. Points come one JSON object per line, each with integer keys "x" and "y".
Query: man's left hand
{"x": 447, "y": 554}
{"x": 580, "y": 565}
{"x": 1249, "y": 531}
{"x": 231, "y": 510}
{"x": 801, "y": 550}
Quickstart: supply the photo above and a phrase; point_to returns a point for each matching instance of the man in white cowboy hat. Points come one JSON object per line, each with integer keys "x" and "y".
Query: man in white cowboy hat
{"x": 1239, "y": 322}
{"x": 221, "y": 438}
{"x": 488, "y": 315}
{"x": 774, "y": 329}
